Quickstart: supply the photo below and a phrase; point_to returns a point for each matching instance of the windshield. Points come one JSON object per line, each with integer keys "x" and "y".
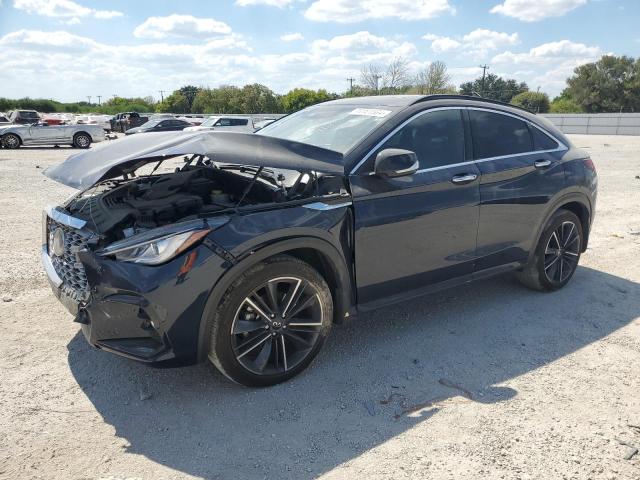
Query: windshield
{"x": 210, "y": 122}
{"x": 28, "y": 114}
{"x": 335, "y": 127}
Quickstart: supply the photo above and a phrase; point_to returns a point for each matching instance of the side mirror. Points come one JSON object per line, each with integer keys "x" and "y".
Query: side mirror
{"x": 396, "y": 162}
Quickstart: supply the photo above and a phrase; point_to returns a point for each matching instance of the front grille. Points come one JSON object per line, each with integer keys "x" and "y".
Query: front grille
{"x": 68, "y": 266}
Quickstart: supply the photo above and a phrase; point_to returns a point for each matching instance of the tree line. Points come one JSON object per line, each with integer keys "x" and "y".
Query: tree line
{"x": 611, "y": 84}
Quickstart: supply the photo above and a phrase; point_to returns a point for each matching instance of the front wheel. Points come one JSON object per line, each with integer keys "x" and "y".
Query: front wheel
{"x": 272, "y": 322}
{"x": 10, "y": 141}
{"x": 81, "y": 140}
{"x": 557, "y": 253}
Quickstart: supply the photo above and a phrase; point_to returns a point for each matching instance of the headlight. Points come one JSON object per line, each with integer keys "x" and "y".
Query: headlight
{"x": 158, "y": 250}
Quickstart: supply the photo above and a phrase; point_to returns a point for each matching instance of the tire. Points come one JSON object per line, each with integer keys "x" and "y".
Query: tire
{"x": 252, "y": 342}
{"x": 557, "y": 254}
{"x": 11, "y": 141}
{"x": 81, "y": 140}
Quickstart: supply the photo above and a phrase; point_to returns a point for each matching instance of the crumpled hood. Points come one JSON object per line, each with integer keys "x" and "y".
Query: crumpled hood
{"x": 115, "y": 158}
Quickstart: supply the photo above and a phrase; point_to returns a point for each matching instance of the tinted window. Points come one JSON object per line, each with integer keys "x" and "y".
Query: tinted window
{"x": 238, "y": 121}
{"x": 495, "y": 135}
{"x": 542, "y": 141}
{"x": 437, "y": 138}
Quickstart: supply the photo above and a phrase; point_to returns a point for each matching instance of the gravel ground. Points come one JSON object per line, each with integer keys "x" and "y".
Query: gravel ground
{"x": 486, "y": 381}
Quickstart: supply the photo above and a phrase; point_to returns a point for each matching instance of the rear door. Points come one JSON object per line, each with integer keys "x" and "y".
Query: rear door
{"x": 520, "y": 169}
{"x": 416, "y": 231}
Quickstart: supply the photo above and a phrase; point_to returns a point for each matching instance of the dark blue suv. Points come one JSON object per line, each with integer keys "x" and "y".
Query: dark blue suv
{"x": 248, "y": 251}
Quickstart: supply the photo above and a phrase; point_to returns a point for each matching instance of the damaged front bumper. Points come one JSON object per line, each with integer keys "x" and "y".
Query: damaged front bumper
{"x": 146, "y": 313}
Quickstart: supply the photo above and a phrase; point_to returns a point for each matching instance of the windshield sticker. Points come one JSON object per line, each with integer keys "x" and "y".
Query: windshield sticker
{"x": 370, "y": 112}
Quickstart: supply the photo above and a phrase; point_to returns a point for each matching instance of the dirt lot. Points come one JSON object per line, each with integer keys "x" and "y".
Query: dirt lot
{"x": 502, "y": 382}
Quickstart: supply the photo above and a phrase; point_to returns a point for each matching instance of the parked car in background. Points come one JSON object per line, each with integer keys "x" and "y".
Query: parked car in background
{"x": 238, "y": 124}
{"x": 24, "y": 116}
{"x": 102, "y": 120}
{"x": 160, "y": 125}
{"x": 79, "y": 136}
{"x": 386, "y": 198}
{"x": 194, "y": 120}
{"x": 126, "y": 120}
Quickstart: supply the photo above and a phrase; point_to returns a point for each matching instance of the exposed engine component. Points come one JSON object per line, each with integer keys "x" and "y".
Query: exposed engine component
{"x": 127, "y": 207}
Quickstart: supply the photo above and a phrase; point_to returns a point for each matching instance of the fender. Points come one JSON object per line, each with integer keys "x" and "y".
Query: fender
{"x": 343, "y": 298}
{"x": 553, "y": 206}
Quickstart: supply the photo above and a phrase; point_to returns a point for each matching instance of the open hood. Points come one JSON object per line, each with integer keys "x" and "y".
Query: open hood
{"x": 113, "y": 159}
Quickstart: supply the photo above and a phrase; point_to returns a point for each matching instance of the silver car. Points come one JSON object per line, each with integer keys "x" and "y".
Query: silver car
{"x": 80, "y": 136}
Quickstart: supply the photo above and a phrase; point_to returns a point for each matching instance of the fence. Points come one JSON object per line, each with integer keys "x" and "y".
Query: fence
{"x": 597, "y": 123}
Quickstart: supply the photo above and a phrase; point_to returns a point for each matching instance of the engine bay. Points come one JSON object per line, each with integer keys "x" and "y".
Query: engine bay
{"x": 118, "y": 209}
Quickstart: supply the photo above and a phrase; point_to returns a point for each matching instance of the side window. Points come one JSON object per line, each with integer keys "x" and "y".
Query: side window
{"x": 224, "y": 122}
{"x": 238, "y": 122}
{"x": 496, "y": 135}
{"x": 437, "y": 138}
{"x": 542, "y": 141}
{"x": 164, "y": 123}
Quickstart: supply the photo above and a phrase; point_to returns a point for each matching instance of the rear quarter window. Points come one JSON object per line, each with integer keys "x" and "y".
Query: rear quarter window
{"x": 542, "y": 141}
{"x": 497, "y": 135}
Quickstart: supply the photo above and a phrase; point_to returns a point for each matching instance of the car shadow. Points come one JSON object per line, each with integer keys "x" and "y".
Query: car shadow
{"x": 377, "y": 377}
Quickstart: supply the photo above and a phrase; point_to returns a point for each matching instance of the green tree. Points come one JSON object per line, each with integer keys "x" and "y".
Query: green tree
{"x": 257, "y": 98}
{"x": 300, "y": 98}
{"x": 611, "y": 84}
{"x": 494, "y": 87}
{"x": 536, "y": 102}
{"x": 174, "y": 103}
{"x": 564, "y": 105}
{"x": 189, "y": 92}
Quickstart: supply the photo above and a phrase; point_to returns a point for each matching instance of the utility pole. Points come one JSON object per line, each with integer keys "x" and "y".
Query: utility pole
{"x": 161, "y": 92}
{"x": 377, "y": 77}
{"x": 99, "y": 97}
{"x": 89, "y": 97}
{"x": 350, "y": 80}
{"x": 484, "y": 71}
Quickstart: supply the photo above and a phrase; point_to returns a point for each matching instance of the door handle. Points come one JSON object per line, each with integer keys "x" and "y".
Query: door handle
{"x": 542, "y": 163}
{"x": 464, "y": 178}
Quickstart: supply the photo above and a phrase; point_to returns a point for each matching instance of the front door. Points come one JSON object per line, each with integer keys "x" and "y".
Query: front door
{"x": 416, "y": 231}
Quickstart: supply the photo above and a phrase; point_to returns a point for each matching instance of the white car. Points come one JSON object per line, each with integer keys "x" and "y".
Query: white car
{"x": 227, "y": 122}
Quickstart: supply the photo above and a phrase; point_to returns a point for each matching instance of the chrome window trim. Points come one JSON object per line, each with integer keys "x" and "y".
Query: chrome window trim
{"x": 561, "y": 146}
{"x": 326, "y": 206}
{"x": 64, "y": 219}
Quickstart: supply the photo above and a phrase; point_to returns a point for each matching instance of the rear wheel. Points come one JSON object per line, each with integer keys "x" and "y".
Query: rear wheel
{"x": 81, "y": 140}
{"x": 272, "y": 322}
{"x": 557, "y": 253}
{"x": 10, "y": 141}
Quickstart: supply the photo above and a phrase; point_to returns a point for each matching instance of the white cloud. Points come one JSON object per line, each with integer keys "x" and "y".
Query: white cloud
{"x": 547, "y": 65}
{"x": 292, "y": 37}
{"x": 77, "y": 66}
{"x": 62, "y": 9}
{"x": 535, "y": 10}
{"x": 180, "y": 26}
{"x": 271, "y": 3}
{"x": 477, "y": 43}
{"x": 547, "y": 53}
{"x": 350, "y": 11}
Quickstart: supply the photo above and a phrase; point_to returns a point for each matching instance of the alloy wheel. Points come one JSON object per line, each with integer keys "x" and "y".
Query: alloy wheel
{"x": 82, "y": 141}
{"x": 562, "y": 252}
{"x": 277, "y": 325}
{"x": 11, "y": 141}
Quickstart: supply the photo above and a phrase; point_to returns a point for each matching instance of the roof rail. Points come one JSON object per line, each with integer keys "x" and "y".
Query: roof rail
{"x": 446, "y": 96}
